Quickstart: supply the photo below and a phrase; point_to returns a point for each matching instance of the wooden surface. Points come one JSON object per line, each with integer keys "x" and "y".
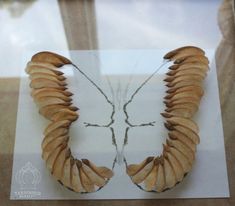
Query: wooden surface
{"x": 83, "y": 39}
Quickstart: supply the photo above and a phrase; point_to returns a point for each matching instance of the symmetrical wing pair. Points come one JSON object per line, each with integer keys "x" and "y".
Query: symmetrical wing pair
{"x": 185, "y": 90}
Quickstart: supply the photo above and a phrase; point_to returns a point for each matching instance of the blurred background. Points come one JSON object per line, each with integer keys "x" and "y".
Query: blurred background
{"x": 38, "y": 25}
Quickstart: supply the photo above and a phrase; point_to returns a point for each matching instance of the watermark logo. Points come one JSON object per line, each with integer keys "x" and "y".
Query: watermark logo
{"x": 28, "y": 177}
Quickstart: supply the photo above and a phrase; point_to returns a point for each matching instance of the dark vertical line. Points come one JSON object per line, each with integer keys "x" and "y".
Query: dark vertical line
{"x": 125, "y": 142}
{"x": 126, "y": 136}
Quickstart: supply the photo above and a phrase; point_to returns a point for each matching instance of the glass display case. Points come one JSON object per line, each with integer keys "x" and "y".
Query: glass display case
{"x": 117, "y": 50}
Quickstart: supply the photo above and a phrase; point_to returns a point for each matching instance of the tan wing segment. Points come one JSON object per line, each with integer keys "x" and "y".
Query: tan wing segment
{"x": 51, "y": 58}
{"x": 51, "y": 95}
{"x": 185, "y": 90}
